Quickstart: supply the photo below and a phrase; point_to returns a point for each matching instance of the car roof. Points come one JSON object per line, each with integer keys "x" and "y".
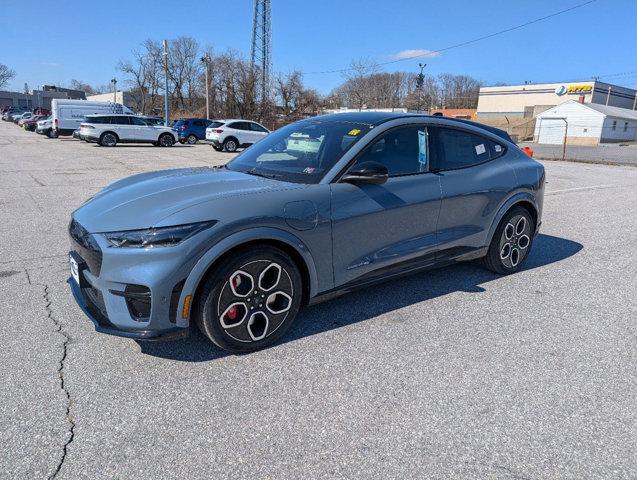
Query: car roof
{"x": 376, "y": 118}
{"x": 226, "y": 120}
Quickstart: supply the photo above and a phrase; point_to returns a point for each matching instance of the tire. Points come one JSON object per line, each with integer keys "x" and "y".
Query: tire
{"x": 108, "y": 139}
{"x": 166, "y": 140}
{"x": 155, "y": 144}
{"x": 511, "y": 243}
{"x": 52, "y": 134}
{"x": 236, "y": 318}
{"x": 230, "y": 145}
{"x": 218, "y": 149}
{"x": 191, "y": 140}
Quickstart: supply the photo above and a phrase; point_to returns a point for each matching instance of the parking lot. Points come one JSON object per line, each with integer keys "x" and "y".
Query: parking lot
{"x": 454, "y": 373}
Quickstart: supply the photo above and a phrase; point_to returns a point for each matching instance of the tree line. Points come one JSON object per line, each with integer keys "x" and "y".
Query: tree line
{"x": 233, "y": 86}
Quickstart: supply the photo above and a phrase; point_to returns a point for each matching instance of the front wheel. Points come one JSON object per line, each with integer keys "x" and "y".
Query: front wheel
{"x": 166, "y": 140}
{"x": 251, "y": 300}
{"x": 511, "y": 242}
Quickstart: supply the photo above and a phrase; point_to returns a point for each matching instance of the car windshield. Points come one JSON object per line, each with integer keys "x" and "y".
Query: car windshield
{"x": 302, "y": 152}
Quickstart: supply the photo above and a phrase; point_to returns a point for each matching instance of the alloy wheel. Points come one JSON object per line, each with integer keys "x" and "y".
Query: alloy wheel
{"x": 255, "y": 300}
{"x": 515, "y": 241}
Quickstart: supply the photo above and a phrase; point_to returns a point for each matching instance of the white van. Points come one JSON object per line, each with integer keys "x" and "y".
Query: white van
{"x": 68, "y": 114}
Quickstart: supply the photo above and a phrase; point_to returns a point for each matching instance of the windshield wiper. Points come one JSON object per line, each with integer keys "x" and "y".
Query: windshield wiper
{"x": 253, "y": 171}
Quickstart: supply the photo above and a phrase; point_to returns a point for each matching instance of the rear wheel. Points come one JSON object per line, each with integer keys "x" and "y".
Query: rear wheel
{"x": 52, "y": 134}
{"x": 166, "y": 140}
{"x": 230, "y": 145}
{"x": 511, "y": 242}
{"x": 191, "y": 140}
{"x": 108, "y": 139}
{"x": 251, "y": 300}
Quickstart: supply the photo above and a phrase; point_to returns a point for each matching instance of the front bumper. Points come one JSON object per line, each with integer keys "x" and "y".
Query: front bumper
{"x": 103, "y": 324}
{"x": 106, "y": 276}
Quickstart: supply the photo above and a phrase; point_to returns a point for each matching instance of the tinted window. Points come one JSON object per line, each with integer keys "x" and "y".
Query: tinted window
{"x": 458, "y": 149}
{"x": 239, "y": 126}
{"x": 116, "y": 120}
{"x": 403, "y": 151}
{"x": 138, "y": 121}
{"x": 257, "y": 128}
{"x": 215, "y": 124}
{"x": 199, "y": 123}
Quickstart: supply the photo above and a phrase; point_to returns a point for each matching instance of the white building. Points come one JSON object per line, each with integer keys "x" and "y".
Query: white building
{"x": 585, "y": 124}
{"x": 526, "y": 101}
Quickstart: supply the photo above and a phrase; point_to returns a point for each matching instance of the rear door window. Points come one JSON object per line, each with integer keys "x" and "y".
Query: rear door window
{"x": 456, "y": 148}
{"x": 255, "y": 127}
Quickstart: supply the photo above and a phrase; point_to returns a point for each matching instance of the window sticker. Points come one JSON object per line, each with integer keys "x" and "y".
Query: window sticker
{"x": 480, "y": 149}
{"x": 422, "y": 147}
{"x": 498, "y": 148}
{"x": 354, "y": 131}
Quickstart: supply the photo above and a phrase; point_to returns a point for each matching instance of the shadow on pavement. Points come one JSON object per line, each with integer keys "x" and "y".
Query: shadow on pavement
{"x": 374, "y": 301}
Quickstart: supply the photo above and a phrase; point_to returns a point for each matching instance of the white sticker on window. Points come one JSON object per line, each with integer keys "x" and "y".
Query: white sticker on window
{"x": 422, "y": 147}
{"x": 498, "y": 148}
{"x": 480, "y": 149}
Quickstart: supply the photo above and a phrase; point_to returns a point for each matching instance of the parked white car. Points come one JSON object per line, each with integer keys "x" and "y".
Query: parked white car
{"x": 231, "y": 134}
{"x": 43, "y": 127}
{"x": 109, "y": 130}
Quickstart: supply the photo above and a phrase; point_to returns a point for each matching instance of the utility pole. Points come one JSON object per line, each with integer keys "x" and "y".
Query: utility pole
{"x": 206, "y": 61}
{"x": 420, "y": 84}
{"x": 166, "y": 104}
{"x": 114, "y": 82}
{"x": 608, "y": 95}
{"x": 635, "y": 102}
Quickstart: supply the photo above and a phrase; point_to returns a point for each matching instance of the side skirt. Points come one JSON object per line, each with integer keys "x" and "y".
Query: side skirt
{"x": 403, "y": 269}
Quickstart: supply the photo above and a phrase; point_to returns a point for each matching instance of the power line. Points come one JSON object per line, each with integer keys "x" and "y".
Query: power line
{"x": 462, "y": 44}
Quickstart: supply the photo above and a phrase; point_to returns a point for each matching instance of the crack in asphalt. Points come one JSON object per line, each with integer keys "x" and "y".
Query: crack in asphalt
{"x": 69, "y": 418}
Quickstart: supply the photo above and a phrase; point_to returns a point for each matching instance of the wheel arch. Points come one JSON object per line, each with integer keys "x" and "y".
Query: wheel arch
{"x": 285, "y": 241}
{"x": 109, "y": 131}
{"x": 520, "y": 199}
{"x": 231, "y": 137}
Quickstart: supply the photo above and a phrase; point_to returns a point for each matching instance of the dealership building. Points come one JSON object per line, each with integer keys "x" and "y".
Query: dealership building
{"x": 527, "y": 101}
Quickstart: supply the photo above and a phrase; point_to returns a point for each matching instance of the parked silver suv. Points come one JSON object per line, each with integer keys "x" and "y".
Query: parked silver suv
{"x": 108, "y": 130}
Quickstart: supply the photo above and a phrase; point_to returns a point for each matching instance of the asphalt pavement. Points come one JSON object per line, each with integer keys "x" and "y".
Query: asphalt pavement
{"x": 454, "y": 373}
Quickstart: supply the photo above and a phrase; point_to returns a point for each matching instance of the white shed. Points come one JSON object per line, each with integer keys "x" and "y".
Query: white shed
{"x": 585, "y": 124}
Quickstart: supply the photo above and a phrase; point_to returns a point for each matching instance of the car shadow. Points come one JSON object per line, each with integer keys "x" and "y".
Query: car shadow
{"x": 364, "y": 304}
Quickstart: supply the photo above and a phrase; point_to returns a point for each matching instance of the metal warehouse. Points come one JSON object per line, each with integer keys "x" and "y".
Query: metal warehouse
{"x": 585, "y": 124}
{"x": 527, "y": 101}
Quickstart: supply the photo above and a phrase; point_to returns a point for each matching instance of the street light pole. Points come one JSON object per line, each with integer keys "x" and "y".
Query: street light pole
{"x": 166, "y": 104}
{"x": 206, "y": 61}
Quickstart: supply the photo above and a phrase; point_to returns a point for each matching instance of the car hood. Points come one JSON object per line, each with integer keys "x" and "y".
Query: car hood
{"x": 142, "y": 201}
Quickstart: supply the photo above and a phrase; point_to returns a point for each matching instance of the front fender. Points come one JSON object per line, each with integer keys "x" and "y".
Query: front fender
{"x": 244, "y": 236}
{"x": 506, "y": 205}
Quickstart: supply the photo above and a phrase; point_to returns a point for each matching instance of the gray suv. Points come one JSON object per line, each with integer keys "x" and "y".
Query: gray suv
{"x": 317, "y": 208}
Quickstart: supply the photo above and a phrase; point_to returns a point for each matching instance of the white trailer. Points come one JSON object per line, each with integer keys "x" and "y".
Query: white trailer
{"x": 68, "y": 114}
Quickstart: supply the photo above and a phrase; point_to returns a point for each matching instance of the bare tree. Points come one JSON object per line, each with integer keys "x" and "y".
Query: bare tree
{"x": 6, "y": 74}
{"x": 87, "y": 88}
{"x": 296, "y": 100}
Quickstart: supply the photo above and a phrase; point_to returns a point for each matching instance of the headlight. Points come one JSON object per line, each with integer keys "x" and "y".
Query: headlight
{"x": 156, "y": 237}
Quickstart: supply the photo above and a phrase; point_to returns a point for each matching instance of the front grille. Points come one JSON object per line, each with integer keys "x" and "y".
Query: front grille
{"x": 84, "y": 244}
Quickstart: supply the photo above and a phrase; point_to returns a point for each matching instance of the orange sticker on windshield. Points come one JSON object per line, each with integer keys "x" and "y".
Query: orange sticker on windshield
{"x": 354, "y": 131}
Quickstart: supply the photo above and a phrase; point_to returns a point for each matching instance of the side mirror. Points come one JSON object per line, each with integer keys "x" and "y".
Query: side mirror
{"x": 367, "y": 172}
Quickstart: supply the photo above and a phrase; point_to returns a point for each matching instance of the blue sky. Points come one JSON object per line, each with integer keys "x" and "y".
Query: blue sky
{"x": 85, "y": 40}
